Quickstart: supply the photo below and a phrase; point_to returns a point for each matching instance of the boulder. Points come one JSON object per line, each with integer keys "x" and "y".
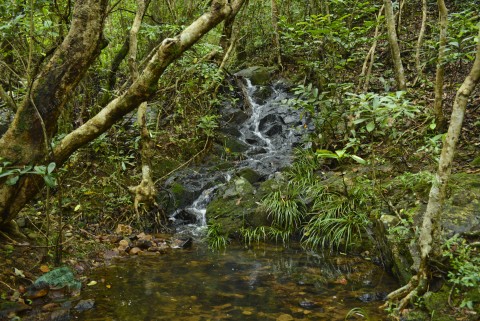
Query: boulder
{"x": 236, "y": 206}
{"x": 258, "y": 75}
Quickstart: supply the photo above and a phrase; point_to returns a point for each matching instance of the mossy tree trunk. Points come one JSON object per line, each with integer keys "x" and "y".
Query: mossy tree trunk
{"x": 430, "y": 233}
{"x": 394, "y": 47}
{"x": 440, "y": 73}
{"x": 27, "y": 139}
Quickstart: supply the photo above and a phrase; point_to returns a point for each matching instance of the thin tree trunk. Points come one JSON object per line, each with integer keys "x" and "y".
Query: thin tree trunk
{"x": 145, "y": 191}
{"x": 226, "y": 37}
{"x": 439, "y": 76}
{"x": 370, "y": 58}
{"x": 395, "y": 49}
{"x": 276, "y": 34}
{"x": 418, "y": 48}
{"x": 430, "y": 233}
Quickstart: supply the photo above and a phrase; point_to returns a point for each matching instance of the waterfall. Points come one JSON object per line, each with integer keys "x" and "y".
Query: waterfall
{"x": 269, "y": 133}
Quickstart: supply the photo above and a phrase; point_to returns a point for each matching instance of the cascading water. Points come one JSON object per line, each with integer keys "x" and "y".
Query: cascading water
{"x": 268, "y": 134}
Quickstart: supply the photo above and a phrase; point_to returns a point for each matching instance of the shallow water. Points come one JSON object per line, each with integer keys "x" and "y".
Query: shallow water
{"x": 263, "y": 283}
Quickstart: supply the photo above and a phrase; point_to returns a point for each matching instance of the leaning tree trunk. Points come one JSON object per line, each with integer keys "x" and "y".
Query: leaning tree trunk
{"x": 430, "y": 233}
{"x": 35, "y": 121}
{"x": 439, "y": 75}
{"x": 395, "y": 49}
{"x": 23, "y": 143}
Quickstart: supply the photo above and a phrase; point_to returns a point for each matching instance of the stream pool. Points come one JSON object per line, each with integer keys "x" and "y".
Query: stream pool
{"x": 264, "y": 282}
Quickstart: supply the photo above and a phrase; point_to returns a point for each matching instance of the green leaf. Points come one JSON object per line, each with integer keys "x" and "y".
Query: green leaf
{"x": 433, "y": 126}
{"x": 340, "y": 153}
{"x": 50, "y": 181}
{"x": 370, "y": 126}
{"x": 325, "y": 153}
{"x": 359, "y": 159}
{"x": 359, "y": 121}
{"x": 51, "y": 167}
{"x": 12, "y": 180}
{"x": 40, "y": 169}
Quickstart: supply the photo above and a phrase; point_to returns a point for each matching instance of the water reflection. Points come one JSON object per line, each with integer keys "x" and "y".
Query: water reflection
{"x": 265, "y": 283}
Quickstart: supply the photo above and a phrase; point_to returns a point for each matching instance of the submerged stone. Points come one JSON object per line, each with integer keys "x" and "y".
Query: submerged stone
{"x": 84, "y": 305}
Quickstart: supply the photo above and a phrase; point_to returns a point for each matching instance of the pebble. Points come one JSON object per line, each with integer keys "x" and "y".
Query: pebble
{"x": 84, "y": 305}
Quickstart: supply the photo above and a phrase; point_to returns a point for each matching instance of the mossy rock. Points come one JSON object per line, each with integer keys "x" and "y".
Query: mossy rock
{"x": 258, "y": 75}
{"x": 232, "y": 144}
{"x": 461, "y": 211}
{"x": 250, "y": 175}
{"x": 417, "y": 315}
{"x": 58, "y": 279}
{"x": 162, "y": 166}
{"x": 236, "y": 206}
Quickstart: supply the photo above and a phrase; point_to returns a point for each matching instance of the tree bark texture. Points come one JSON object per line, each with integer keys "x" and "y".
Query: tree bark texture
{"x": 23, "y": 143}
{"x": 145, "y": 191}
{"x": 430, "y": 232}
{"x": 276, "y": 34}
{"x": 394, "y": 47}
{"x": 419, "y": 45}
{"x": 440, "y": 73}
{"x": 36, "y": 117}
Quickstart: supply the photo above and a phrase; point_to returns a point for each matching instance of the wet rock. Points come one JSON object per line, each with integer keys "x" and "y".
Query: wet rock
{"x": 134, "y": 251}
{"x": 143, "y": 244}
{"x": 181, "y": 243}
{"x": 270, "y": 120}
{"x": 240, "y": 188}
{"x": 84, "y": 305}
{"x": 307, "y": 304}
{"x": 233, "y": 144}
{"x": 261, "y": 94}
{"x": 274, "y": 130}
{"x": 285, "y": 317}
{"x": 372, "y": 297}
{"x": 185, "y": 217}
{"x": 250, "y": 175}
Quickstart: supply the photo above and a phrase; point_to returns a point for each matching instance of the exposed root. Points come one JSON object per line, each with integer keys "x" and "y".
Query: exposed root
{"x": 144, "y": 192}
{"x": 400, "y": 298}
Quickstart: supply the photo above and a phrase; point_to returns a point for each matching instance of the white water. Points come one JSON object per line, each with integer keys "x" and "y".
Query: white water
{"x": 264, "y": 153}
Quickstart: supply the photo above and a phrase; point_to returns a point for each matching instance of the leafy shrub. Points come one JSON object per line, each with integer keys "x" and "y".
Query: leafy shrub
{"x": 464, "y": 270}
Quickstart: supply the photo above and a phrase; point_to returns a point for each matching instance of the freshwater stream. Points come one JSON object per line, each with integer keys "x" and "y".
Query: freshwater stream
{"x": 260, "y": 282}
{"x": 266, "y": 282}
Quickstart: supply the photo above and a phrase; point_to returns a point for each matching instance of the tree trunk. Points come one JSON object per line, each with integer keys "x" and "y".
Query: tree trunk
{"x": 276, "y": 34}
{"x": 36, "y": 118}
{"x": 395, "y": 49}
{"x": 370, "y": 58}
{"x": 23, "y": 143}
{"x": 226, "y": 37}
{"x": 439, "y": 76}
{"x": 430, "y": 233}
{"x": 145, "y": 191}
{"x": 419, "y": 45}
